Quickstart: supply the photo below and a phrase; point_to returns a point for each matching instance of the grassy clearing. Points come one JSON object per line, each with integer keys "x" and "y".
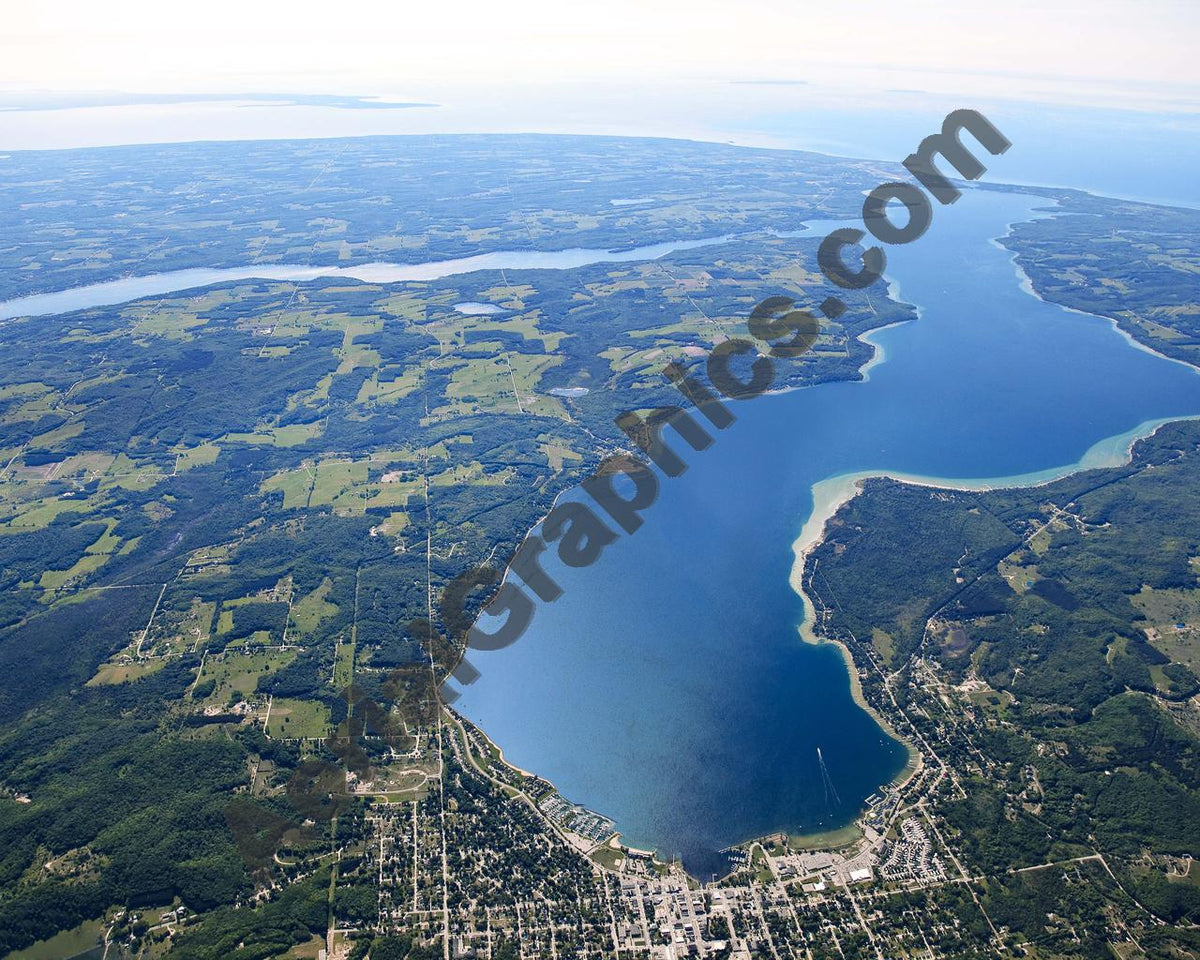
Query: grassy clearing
{"x": 128, "y": 474}
{"x": 511, "y": 297}
{"x": 70, "y": 943}
{"x": 628, "y": 360}
{"x": 884, "y": 643}
{"x": 393, "y": 493}
{"x": 295, "y": 485}
{"x": 347, "y": 487}
{"x": 169, "y": 321}
{"x": 375, "y": 390}
{"x": 21, "y": 517}
{"x": 343, "y": 666}
{"x": 92, "y": 560}
{"x": 300, "y": 719}
{"x": 107, "y": 543}
{"x": 610, "y": 857}
{"x": 310, "y": 950}
{"x": 336, "y": 482}
{"x": 996, "y": 701}
{"x": 80, "y": 465}
{"x": 473, "y": 473}
{"x": 556, "y": 452}
{"x": 32, "y": 389}
{"x": 355, "y": 355}
{"x": 241, "y": 671}
{"x": 68, "y": 431}
{"x": 292, "y": 435}
{"x": 405, "y": 306}
{"x": 259, "y": 638}
{"x": 524, "y": 326}
{"x": 441, "y": 449}
{"x": 487, "y": 384}
{"x": 394, "y": 524}
{"x": 37, "y": 404}
{"x": 1041, "y": 541}
{"x": 1174, "y": 623}
{"x": 308, "y": 612}
{"x": 402, "y": 785}
{"x": 1020, "y": 578}
{"x": 53, "y": 580}
{"x": 110, "y": 673}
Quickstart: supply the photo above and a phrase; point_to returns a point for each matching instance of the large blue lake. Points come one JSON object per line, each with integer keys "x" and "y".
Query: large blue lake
{"x": 669, "y": 688}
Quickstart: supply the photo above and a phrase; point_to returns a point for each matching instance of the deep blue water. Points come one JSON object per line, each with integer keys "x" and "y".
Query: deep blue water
{"x": 668, "y": 688}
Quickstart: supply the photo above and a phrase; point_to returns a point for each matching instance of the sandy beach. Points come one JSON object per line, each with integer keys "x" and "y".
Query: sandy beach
{"x": 831, "y": 494}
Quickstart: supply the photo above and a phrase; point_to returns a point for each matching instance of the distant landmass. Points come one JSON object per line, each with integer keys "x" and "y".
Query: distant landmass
{"x": 46, "y": 100}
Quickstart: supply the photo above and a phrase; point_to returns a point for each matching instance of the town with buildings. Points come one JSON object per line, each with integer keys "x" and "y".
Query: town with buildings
{"x": 487, "y": 861}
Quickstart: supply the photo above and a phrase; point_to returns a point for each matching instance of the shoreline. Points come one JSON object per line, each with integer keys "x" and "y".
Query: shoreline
{"x": 131, "y": 288}
{"x": 829, "y": 496}
{"x": 500, "y": 754}
{"x": 833, "y": 493}
{"x": 616, "y": 841}
{"x": 878, "y": 353}
{"x": 1025, "y": 282}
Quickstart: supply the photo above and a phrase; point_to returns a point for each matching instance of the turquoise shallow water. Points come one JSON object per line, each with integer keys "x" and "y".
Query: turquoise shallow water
{"x": 668, "y": 689}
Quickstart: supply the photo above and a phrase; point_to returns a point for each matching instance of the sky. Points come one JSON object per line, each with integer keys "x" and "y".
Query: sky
{"x": 1102, "y": 95}
{"x": 1107, "y": 52}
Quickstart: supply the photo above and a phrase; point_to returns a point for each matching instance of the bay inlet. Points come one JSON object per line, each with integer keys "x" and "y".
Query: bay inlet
{"x": 669, "y": 687}
{"x": 125, "y": 289}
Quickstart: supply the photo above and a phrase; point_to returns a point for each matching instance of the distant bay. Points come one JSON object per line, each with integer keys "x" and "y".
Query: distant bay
{"x": 175, "y": 281}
